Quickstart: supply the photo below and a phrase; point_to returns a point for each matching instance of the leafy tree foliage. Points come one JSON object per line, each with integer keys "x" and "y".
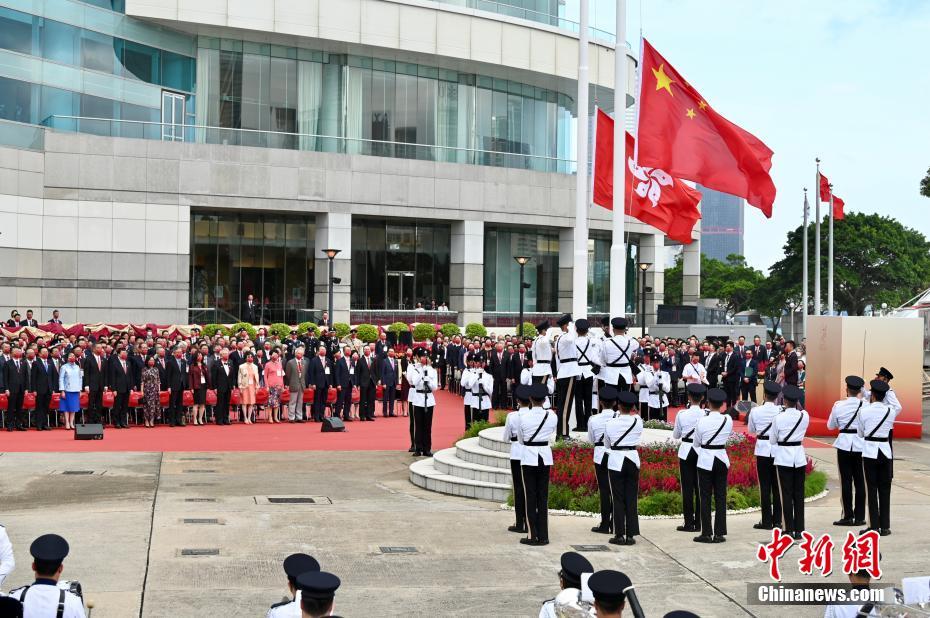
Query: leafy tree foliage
{"x": 732, "y": 282}
{"x": 925, "y": 185}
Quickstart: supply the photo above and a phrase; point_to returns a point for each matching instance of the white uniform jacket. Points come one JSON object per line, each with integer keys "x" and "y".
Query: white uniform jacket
{"x": 694, "y": 374}
{"x": 467, "y": 379}
{"x": 760, "y": 423}
{"x": 617, "y": 358}
{"x": 526, "y": 379}
{"x": 41, "y": 599}
{"x": 7, "y": 563}
{"x": 654, "y": 382}
{"x": 596, "y": 426}
{"x": 876, "y": 420}
{"x": 621, "y": 437}
{"x": 534, "y": 429}
{"x": 542, "y": 356}
{"x": 890, "y": 398}
{"x": 786, "y": 437}
{"x": 710, "y": 439}
{"x": 289, "y": 609}
{"x": 510, "y": 433}
{"x": 423, "y": 381}
{"x": 481, "y": 387}
{"x": 685, "y": 426}
{"x": 845, "y": 417}
{"x": 642, "y": 379}
{"x": 588, "y": 355}
{"x": 566, "y": 355}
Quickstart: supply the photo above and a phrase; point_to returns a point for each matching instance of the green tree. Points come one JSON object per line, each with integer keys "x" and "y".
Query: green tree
{"x": 732, "y": 282}
{"x": 925, "y": 185}
{"x": 876, "y": 259}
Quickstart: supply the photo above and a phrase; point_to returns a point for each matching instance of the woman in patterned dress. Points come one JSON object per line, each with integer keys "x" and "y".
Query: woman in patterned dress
{"x": 151, "y": 385}
{"x": 274, "y": 382}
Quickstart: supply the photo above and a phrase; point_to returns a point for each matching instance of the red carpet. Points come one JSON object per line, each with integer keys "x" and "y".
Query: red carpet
{"x": 385, "y": 434}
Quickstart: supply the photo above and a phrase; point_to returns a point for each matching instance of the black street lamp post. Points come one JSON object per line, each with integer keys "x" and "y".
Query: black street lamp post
{"x": 643, "y": 267}
{"x": 521, "y": 260}
{"x": 331, "y": 254}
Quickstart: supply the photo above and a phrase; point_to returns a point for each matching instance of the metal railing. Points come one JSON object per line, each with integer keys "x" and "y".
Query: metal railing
{"x": 21, "y": 135}
{"x": 267, "y": 314}
{"x": 510, "y": 318}
{"x": 504, "y": 8}
{"x": 188, "y": 133}
{"x": 384, "y": 317}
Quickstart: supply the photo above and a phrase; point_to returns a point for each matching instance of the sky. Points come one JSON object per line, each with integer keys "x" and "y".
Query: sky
{"x": 847, "y": 81}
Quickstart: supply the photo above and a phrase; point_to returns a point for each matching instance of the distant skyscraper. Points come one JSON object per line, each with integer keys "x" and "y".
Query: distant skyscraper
{"x": 721, "y": 224}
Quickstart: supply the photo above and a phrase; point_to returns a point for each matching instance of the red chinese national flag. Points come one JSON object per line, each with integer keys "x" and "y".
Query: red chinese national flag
{"x": 838, "y": 204}
{"x": 681, "y": 133}
{"x": 653, "y": 196}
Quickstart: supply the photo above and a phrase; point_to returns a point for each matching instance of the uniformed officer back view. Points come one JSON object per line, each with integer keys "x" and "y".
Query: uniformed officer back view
{"x": 294, "y": 566}
{"x": 44, "y": 597}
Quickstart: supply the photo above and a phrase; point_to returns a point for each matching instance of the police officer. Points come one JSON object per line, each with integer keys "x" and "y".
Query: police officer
{"x": 617, "y": 354}
{"x": 534, "y": 430}
{"x": 567, "y": 370}
{"x": 317, "y": 593}
{"x": 786, "y": 437}
{"x": 573, "y": 566}
{"x": 542, "y": 353}
{"x": 7, "y": 562}
{"x": 642, "y": 381}
{"x": 44, "y": 597}
{"x": 890, "y": 399}
{"x": 481, "y": 385}
{"x": 294, "y": 566}
{"x": 844, "y": 417}
{"x": 710, "y": 440}
{"x": 621, "y": 437}
{"x": 685, "y": 425}
{"x": 760, "y": 423}
{"x": 607, "y": 398}
{"x": 611, "y": 590}
{"x": 522, "y": 395}
{"x": 589, "y": 358}
{"x": 876, "y": 421}
{"x": 423, "y": 381}
{"x": 659, "y": 383}
{"x": 465, "y": 380}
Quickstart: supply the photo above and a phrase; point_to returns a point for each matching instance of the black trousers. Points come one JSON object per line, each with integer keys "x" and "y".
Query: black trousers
{"x": 42, "y": 403}
{"x": 121, "y": 409}
{"x": 221, "y": 409}
{"x": 366, "y": 401}
{"x": 713, "y": 484}
{"x": 15, "y": 413}
{"x": 768, "y": 491}
{"x": 320, "y": 393}
{"x": 540, "y": 379}
{"x": 603, "y": 488}
{"x": 690, "y": 500}
{"x": 175, "y": 409}
{"x": 499, "y": 394}
{"x": 878, "y": 483}
{"x": 423, "y": 428}
{"x": 536, "y": 484}
{"x": 748, "y": 391}
{"x": 622, "y": 384}
{"x": 644, "y": 410}
{"x": 659, "y": 414}
{"x": 95, "y": 405}
{"x": 469, "y": 416}
{"x": 732, "y": 389}
{"x": 388, "y": 399}
{"x": 343, "y": 407}
{"x": 413, "y": 427}
{"x": 624, "y": 488}
{"x": 564, "y": 398}
{"x": 583, "y": 390}
{"x": 852, "y": 484}
{"x": 791, "y": 484}
{"x": 481, "y": 415}
{"x": 519, "y": 494}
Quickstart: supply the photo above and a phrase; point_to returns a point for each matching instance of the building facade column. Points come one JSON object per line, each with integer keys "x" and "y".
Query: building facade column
{"x": 466, "y": 271}
{"x": 566, "y": 267}
{"x": 333, "y": 231}
{"x": 652, "y": 250}
{"x": 691, "y": 273}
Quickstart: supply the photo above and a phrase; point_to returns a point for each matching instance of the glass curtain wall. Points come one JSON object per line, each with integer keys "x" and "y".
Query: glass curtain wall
{"x": 599, "y": 272}
{"x": 397, "y": 264}
{"x": 268, "y": 256}
{"x": 502, "y": 273}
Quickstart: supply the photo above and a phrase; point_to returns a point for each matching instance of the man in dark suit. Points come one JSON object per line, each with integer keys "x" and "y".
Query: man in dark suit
{"x": 15, "y": 384}
{"x": 121, "y": 383}
{"x": 791, "y": 364}
{"x": 55, "y": 317}
{"x": 714, "y": 366}
{"x": 515, "y": 364}
{"x": 388, "y": 378}
{"x": 29, "y": 321}
{"x": 382, "y": 346}
{"x": 224, "y": 381}
{"x": 367, "y": 378}
{"x": 497, "y": 367}
{"x": 749, "y": 376}
{"x": 320, "y": 379}
{"x": 438, "y": 359}
{"x": 453, "y": 350}
{"x": 730, "y": 374}
{"x": 44, "y": 382}
{"x": 344, "y": 380}
{"x": 249, "y": 310}
{"x": 95, "y": 382}
{"x": 176, "y": 380}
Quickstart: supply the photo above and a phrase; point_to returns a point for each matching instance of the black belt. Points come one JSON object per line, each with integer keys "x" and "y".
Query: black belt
{"x": 583, "y": 363}
{"x": 688, "y": 440}
{"x": 567, "y": 360}
{"x": 871, "y": 439}
{"x": 618, "y": 364}
{"x": 623, "y": 448}
{"x": 789, "y": 444}
{"x": 848, "y": 431}
{"x": 599, "y": 443}
{"x": 513, "y": 439}
{"x": 714, "y": 447}
{"x": 536, "y": 444}
{"x": 424, "y": 392}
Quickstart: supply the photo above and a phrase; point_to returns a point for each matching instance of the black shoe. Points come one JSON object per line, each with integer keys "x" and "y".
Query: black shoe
{"x": 884, "y": 532}
{"x": 542, "y": 542}
{"x": 617, "y": 540}
{"x": 720, "y": 539}
{"x": 521, "y": 530}
{"x": 762, "y": 526}
{"x": 526, "y": 541}
{"x": 630, "y": 540}
{"x": 687, "y": 528}
{"x": 24, "y": 429}
{"x": 858, "y": 522}
{"x": 704, "y": 539}
{"x": 411, "y": 450}
{"x": 577, "y": 429}
{"x": 864, "y": 530}
{"x": 848, "y": 521}
{"x": 602, "y": 529}
{"x": 10, "y": 428}
{"x": 796, "y": 536}
{"x": 428, "y": 454}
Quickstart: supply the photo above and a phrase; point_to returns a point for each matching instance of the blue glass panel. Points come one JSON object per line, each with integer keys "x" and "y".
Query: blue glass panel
{"x": 60, "y": 42}
{"x": 15, "y": 31}
{"x": 58, "y": 102}
{"x": 141, "y": 62}
{"x": 15, "y": 100}
{"x": 177, "y": 72}
{"x": 97, "y": 51}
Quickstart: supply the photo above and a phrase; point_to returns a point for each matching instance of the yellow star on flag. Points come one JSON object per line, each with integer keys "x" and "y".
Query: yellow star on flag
{"x": 663, "y": 80}
{"x": 690, "y": 112}
{"x": 702, "y": 105}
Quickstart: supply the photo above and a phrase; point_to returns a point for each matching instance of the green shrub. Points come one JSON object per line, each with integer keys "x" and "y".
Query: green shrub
{"x": 563, "y": 497}
{"x": 475, "y": 330}
{"x": 367, "y": 332}
{"x": 342, "y": 329}
{"x": 478, "y": 426}
{"x": 815, "y": 483}
{"x": 423, "y": 331}
{"x": 210, "y": 330}
{"x": 279, "y": 329}
{"x": 529, "y": 330}
{"x": 660, "y": 503}
{"x": 304, "y": 327}
{"x": 235, "y": 328}
{"x": 398, "y": 327}
{"x": 450, "y": 329}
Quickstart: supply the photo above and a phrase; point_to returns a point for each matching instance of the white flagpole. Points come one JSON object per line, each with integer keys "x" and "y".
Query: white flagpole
{"x": 817, "y": 243}
{"x": 580, "y": 238}
{"x": 617, "y": 244}
{"x": 805, "y": 291}
{"x": 830, "y": 260}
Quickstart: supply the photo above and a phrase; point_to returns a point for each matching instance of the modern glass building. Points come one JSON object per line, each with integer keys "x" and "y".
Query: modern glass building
{"x": 163, "y": 160}
{"x": 721, "y": 224}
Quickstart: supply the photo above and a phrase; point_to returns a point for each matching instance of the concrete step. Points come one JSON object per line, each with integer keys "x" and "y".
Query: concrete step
{"x": 446, "y": 462}
{"x": 493, "y": 439}
{"x": 470, "y": 450}
{"x": 423, "y": 473}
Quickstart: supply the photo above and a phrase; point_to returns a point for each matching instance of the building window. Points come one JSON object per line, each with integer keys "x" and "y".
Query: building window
{"x": 502, "y": 273}
{"x": 15, "y": 31}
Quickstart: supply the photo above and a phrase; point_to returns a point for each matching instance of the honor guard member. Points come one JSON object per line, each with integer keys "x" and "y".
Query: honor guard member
{"x": 844, "y": 417}
{"x": 876, "y": 421}
{"x": 542, "y": 353}
{"x": 786, "y": 437}
{"x": 527, "y": 378}
{"x": 685, "y": 426}
{"x": 607, "y": 396}
{"x": 294, "y": 566}
{"x": 44, "y": 597}
{"x": 617, "y": 354}
{"x": 621, "y": 437}
{"x": 574, "y": 565}
{"x": 760, "y": 423}
{"x": 642, "y": 379}
{"x": 534, "y": 430}
{"x": 694, "y": 372}
{"x": 481, "y": 385}
{"x": 588, "y": 367}
{"x": 891, "y": 399}
{"x": 522, "y": 395}
{"x": 465, "y": 381}
{"x": 611, "y": 590}
{"x": 423, "y": 381}
{"x": 567, "y": 371}
{"x": 317, "y": 593}
{"x": 7, "y": 562}
{"x": 659, "y": 383}
{"x": 710, "y": 440}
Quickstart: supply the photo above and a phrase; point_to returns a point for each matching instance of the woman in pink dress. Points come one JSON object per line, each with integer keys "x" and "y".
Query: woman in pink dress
{"x": 248, "y": 384}
{"x": 274, "y": 382}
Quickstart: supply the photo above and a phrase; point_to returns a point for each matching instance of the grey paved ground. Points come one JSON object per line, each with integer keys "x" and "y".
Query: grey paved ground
{"x": 126, "y": 527}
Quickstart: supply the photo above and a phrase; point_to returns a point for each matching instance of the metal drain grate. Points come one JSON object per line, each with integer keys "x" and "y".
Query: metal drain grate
{"x": 309, "y": 500}
{"x": 200, "y": 552}
{"x": 591, "y": 548}
{"x": 198, "y": 484}
{"x": 197, "y": 458}
{"x": 199, "y": 471}
{"x": 202, "y": 521}
{"x": 291, "y": 501}
{"x": 397, "y": 549}
{"x": 77, "y": 472}
{"x": 199, "y": 499}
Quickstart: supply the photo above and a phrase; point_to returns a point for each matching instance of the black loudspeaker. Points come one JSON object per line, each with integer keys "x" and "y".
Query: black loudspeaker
{"x": 89, "y": 431}
{"x": 332, "y": 424}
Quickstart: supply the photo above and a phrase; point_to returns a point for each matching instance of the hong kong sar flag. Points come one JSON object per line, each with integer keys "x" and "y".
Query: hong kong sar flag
{"x": 653, "y": 196}
{"x": 681, "y": 133}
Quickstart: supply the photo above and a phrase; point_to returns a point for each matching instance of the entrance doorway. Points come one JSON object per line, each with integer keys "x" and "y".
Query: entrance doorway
{"x": 399, "y": 285}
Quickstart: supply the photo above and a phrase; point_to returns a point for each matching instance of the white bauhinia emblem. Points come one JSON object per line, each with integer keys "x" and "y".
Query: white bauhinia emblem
{"x": 651, "y": 181}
